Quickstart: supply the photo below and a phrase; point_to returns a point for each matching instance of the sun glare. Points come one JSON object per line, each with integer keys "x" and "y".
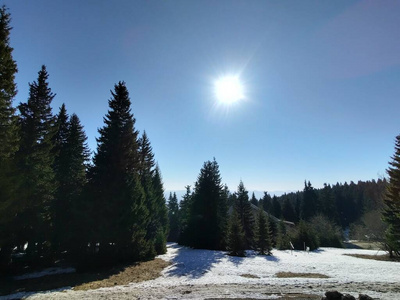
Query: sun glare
{"x": 228, "y": 89}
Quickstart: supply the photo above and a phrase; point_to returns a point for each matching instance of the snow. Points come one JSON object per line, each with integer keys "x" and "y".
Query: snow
{"x": 199, "y": 274}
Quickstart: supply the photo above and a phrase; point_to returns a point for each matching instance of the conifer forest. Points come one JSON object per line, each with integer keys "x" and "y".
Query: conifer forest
{"x": 60, "y": 201}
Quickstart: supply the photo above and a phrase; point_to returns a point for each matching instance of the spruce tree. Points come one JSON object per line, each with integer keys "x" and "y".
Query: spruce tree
{"x": 8, "y": 90}
{"x": 391, "y": 213}
{"x": 150, "y": 178}
{"x": 161, "y": 213}
{"x": 276, "y": 209}
{"x": 8, "y": 141}
{"x": 119, "y": 215}
{"x": 70, "y": 167}
{"x": 35, "y": 163}
{"x": 60, "y": 209}
{"x": 253, "y": 200}
{"x": 174, "y": 218}
{"x": 264, "y": 244}
{"x": 184, "y": 213}
{"x": 310, "y": 205}
{"x": 236, "y": 236}
{"x": 245, "y": 215}
{"x": 204, "y": 229}
{"x": 288, "y": 211}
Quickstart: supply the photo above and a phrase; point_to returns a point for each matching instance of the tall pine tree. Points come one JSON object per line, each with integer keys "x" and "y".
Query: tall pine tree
{"x": 118, "y": 212}
{"x": 264, "y": 234}
{"x": 72, "y": 156}
{"x": 205, "y": 228}
{"x": 174, "y": 218}
{"x": 35, "y": 162}
{"x": 391, "y": 213}
{"x": 8, "y": 140}
{"x": 245, "y": 215}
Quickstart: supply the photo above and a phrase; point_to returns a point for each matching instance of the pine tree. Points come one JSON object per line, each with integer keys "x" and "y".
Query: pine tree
{"x": 184, "y": 213}
{"x": 204, "y": 229}
{"x": 35, "y": 163}
{"x": 8, "y": 141}
{"x": 267, "y": 202}
{"x": 118, "y": 212}
{"x": 391, "y": 213}
{"x": 276, "y": 209}
{"x": 253, "y": 200}
{"x": 264, "y": 244}
{"x": 8, "y": 90}
{"x": 282, "y": 238}
{"x": 161, "y": 213}
{"x": 236, "y": 238}
{"x": 310, "y": 205}
{"x": 245, "y": 215}
{"x": 288, "y": 212}
{"x": 70, "y": 167}
{"x": 150, "y": 177}
{"x": 174, "y": 218}
{"x": 60, "y": 210}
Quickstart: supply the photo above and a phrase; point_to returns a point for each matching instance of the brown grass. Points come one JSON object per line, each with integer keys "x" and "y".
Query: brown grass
{"x": 120, "y": 275}
{"x": 299, "y": 275}
{"x": 376, "y": 257}
{"x": 249, "y": 276}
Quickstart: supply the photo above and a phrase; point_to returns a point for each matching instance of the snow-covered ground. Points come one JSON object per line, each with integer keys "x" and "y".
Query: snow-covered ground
{"x": 201, "y": 274}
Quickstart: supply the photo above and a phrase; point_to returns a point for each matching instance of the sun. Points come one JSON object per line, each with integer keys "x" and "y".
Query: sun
{"x": 228, "y": 89}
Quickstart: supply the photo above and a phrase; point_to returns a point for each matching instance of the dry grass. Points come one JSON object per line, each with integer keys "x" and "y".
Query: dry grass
{"x": 121, "y": 275}
{"x": 375, "y": 257}
{"x": 299, "y": 275}
{"x": 250, "y": 276}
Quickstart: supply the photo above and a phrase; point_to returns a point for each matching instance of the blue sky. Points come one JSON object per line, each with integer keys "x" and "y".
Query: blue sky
{"x": 321, "y": 81}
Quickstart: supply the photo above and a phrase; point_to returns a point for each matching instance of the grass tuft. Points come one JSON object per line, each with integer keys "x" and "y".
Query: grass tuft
{"x": 300, "y": 275}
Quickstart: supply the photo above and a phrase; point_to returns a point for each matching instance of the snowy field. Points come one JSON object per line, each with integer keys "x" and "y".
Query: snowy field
{"x": 202, "y": 274}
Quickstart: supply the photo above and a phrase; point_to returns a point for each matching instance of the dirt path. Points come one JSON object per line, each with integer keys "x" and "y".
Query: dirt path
{"x": 227, "y": 291}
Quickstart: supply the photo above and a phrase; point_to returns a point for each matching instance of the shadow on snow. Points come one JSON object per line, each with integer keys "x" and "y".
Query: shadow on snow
{"x": 193, "y": 262}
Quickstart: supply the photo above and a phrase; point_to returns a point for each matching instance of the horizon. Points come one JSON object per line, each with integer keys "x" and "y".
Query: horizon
{"x": 320, "y": 82}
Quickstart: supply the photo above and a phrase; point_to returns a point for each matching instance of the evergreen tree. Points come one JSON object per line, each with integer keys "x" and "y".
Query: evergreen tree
{"x": 245, "y": 215}
{"x": 174, "y": 218}
{"x": 310, "y": 202}
{"x": 282, "y": 239}
{"x": 267, "y": 202}
{"x": 119, "y": 216}
{"x": 276, "y": 207}
{"x": 264, "y": 244}
{"x": 150, "y": 178}
{"x": 253, "y": 200}
{"x": 288, "y": 211}
{"x": 328, "y": 203}
{"x": 184, "y": 214}
{"x": 8, "y": 90}
{"x": 60, "y": 210}
{"x": 71, "y": 183}
{"x": 8, "y": 141}
{"x": 161, "y": 213}
{"x": 205, "y": 221}
{"x": 35, "y": 163}
{"x": 305, "y": 236}
{"x": 236, "y": 238}
{"x": 391, "y": 213}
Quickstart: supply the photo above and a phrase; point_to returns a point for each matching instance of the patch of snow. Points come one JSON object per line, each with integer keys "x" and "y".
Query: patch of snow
{"x": 45, "y": 272}
{"x": 200, "y": 274}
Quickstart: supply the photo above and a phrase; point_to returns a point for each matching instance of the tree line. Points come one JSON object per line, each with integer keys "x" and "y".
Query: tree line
{"x": 54, "y": 203}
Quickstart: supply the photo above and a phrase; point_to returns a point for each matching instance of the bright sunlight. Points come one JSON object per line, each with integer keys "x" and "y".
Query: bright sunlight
{"x": 228, "y": 89}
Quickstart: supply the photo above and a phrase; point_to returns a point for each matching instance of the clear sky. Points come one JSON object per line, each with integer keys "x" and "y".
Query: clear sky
{"x": 321, "y": 80}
